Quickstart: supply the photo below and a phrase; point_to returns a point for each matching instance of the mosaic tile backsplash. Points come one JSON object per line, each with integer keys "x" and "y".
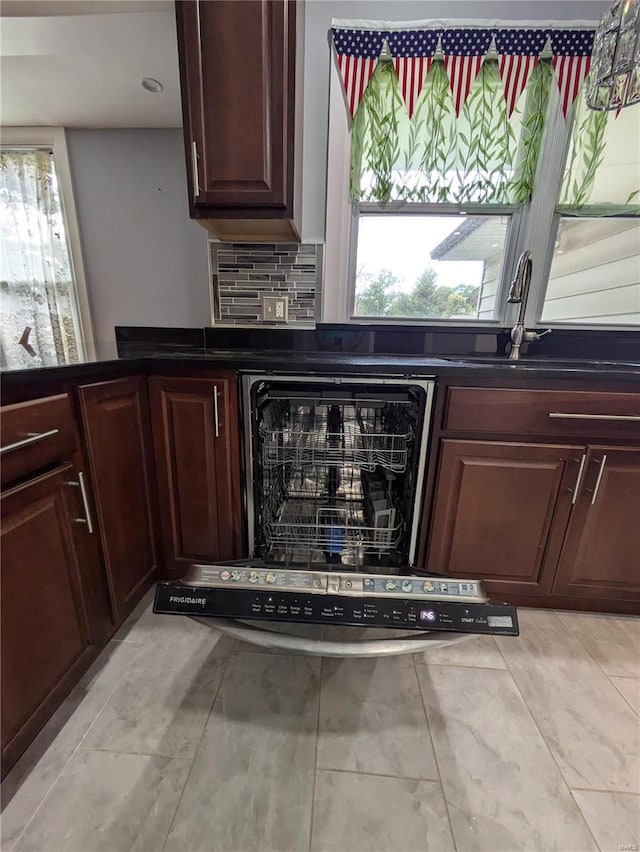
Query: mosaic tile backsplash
{"x": 241, "y": 273}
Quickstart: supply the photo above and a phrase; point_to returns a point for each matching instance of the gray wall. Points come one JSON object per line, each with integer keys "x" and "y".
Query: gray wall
{"x": 317, "y": 59}
{"x": 145, "y": 260}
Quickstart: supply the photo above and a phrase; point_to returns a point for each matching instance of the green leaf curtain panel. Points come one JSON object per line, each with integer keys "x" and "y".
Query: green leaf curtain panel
{"x": 450, "y": 115}
{"x": 602, "y": 169}
{"x": 36, "y": 286}
{"x": 481, "y": 156}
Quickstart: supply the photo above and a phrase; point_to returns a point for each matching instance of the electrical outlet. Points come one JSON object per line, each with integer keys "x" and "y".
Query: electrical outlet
{"x": 275, "y": 308}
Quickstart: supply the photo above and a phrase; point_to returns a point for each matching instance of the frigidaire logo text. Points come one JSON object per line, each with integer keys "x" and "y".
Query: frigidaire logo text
{"x": 176, "y": 599}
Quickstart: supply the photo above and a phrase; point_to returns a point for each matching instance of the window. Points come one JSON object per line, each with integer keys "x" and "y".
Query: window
{"x": 595, "y": 270}
{"x": 40, "y": 317}
{"x": 440, "y": 206}
{"x": 447, "y": 262}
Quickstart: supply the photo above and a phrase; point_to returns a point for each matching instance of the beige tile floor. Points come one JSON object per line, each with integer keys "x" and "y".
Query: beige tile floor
{"x": 180, "y": 739}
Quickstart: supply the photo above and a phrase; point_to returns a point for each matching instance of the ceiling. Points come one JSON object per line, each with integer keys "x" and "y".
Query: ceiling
{"x": 80, "y": 64}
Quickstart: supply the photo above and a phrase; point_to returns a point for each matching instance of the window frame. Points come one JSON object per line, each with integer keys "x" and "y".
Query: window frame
{"x": 55, "y": 138}
{"x": 535, "y": 229}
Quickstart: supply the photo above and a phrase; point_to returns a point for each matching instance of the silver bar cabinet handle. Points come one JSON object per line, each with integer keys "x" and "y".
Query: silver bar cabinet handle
{"x": 33, "y": 438}
{"x": 579, "y": 479}
{"x": 215, "y": 412}
{"x": 603, "y": 461}
{"x": 85, "y": 502}
{"x": 562, "y": 416}
{"x": 194, "y": 166}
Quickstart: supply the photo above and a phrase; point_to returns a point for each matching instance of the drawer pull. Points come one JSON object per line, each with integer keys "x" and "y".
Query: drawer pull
{"x": 33, "y": 438}
{"x": 603, "y": 461}
{"x": 85, "y": 502}
{"x": 561, "y": 416}
{"x": 579, "y": 479}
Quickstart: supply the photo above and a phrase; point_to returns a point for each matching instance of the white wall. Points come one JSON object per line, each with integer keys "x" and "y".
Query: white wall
{"x": 317, "y": 59}
{"x": 145, "y": 260}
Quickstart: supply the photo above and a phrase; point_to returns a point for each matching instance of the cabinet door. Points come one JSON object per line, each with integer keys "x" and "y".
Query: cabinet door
{"x": 601, "y": 553}
{"x": 115, "y": 417}
{"x": 195, "y": 435}
{"x": 45, "y": 635}
{"x": 237, "y": 63}
{"x": 500, "y": 512}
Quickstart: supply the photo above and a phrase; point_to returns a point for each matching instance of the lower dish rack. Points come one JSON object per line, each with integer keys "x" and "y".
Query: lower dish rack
{"x": 312, "y": 523}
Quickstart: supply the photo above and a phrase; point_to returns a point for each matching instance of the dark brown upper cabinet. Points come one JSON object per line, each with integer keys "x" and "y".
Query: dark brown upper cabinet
{"x": 241, "y": 80}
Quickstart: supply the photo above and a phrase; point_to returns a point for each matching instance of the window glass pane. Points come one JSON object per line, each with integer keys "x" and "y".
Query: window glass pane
{"x": 595, "y": 273}
{"x": 429, "y": 266}
{"x": 37, "y": 296}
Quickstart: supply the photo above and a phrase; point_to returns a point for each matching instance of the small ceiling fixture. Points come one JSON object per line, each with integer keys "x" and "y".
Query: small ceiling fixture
{"x": 614, "y": 80}
{"x": 151, "y": 84}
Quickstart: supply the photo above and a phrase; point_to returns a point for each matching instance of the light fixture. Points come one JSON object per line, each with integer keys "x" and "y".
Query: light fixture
{"x": 151, "y": 84}
{"x": 614, "y": 77}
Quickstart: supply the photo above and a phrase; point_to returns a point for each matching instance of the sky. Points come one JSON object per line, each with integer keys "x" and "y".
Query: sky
{"x": 402, "y": 244}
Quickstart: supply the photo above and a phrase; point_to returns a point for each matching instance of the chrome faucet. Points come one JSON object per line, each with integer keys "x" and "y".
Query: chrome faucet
{"x": 518, "y": 294}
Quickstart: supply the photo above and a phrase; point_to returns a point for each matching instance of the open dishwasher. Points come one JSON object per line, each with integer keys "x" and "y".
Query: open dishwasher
{"x": 335, "y": 472}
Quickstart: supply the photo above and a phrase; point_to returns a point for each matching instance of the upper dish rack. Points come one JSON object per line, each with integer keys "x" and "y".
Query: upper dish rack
{"x": 313, "y": 435}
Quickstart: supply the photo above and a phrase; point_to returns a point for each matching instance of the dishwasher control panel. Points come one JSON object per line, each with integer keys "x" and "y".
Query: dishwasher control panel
{"x": 275, "y": 605}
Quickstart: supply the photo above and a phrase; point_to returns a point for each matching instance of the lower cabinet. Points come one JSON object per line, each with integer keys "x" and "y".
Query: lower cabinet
{"x": 115, "y": 419}
{"x": 500, "y": 510}
{"x": 601, "y": 554}
{"x": 539, "y": 519}
{"x": 195, "y": 436}
{"x": 46, "y": 635}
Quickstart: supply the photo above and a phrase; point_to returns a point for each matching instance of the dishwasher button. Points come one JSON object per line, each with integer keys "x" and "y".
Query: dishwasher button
{"x": 390, "y": 585}
{"x": 407, "y": 586}
{"x": 224, "y": 575}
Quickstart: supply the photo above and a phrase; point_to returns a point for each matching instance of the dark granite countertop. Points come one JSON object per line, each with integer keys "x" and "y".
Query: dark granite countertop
{"x": 351, "y": 349}
{"x": 330, "y": 363}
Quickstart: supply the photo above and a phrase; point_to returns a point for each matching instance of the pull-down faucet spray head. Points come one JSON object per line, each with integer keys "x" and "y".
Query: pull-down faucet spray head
{"x": 521, "y": 280}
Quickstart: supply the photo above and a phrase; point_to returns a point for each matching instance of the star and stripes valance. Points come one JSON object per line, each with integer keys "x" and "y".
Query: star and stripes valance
{"x": 463, "y": 51}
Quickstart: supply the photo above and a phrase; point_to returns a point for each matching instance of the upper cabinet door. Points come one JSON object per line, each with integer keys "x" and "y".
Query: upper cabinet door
{"x": 195, "y": 435}
{"x": 237, "y": 66}
{"x": 601, "y": 554}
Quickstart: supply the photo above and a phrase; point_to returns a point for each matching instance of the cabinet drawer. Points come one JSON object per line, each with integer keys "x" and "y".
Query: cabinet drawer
{"x": 543, "y": 412}
{"x": 35, "y": 434}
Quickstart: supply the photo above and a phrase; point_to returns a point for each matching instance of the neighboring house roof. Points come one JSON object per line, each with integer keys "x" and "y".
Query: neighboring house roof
{"x": 473, "y": 240}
